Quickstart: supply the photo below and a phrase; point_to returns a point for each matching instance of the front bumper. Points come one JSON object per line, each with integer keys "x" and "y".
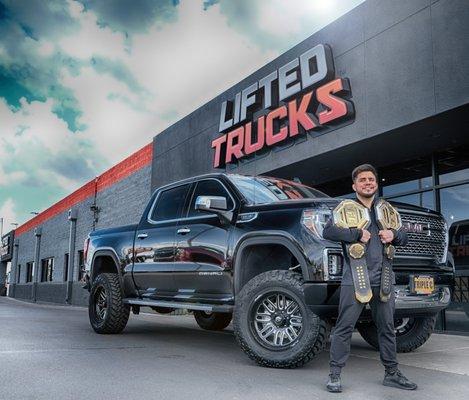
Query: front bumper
{"x": 436, "y": 301}
{"x": 323, "y": 300}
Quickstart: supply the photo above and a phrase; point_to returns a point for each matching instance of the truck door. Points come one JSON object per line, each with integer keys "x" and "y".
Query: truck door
{"x": 201, "y": 251}
{"x": 154, "y": 248}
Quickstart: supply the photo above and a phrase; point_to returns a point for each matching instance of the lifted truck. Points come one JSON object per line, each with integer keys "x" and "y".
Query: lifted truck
{"x": 251, "y": 248}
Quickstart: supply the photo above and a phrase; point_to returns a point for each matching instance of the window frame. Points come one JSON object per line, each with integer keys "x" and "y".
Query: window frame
{"x": 80, "y": 266}
{"x": 191, "y": 197}
{"x": 29, "y": 272}
{"x": 66, "y": 262}
{"x": 150, "y": 212}
{"x": 47, "y": 274}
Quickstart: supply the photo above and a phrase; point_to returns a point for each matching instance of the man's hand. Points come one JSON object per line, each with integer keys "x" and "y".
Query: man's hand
{"x": 365, "y": 236}
{"x": 386, "y": 236}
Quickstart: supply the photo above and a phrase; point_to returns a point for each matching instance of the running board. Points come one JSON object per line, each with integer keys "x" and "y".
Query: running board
{"x": 224, "y": 308}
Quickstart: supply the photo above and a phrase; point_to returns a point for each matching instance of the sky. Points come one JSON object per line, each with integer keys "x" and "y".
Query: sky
{"x": 85, "y": 83}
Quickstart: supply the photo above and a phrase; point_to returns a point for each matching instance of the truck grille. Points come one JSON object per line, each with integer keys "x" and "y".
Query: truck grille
{"x": 427, "y": 237}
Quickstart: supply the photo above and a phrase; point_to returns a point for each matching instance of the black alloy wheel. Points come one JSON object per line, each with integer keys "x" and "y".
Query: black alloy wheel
{"x": 106, "y": 309}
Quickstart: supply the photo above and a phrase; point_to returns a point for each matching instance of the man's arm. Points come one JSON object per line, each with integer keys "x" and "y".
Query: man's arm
{"x": 336, "y": 234}
{"x": 400, "y": 237}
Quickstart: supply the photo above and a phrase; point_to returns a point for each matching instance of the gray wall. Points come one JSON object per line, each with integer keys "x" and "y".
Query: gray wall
{"x": 119, "y": 204}
{"x": 406, "y": 61}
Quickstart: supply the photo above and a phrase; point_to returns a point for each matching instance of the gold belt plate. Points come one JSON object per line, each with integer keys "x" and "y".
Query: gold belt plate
{"x": 350, "y": 214}
{"x": 387, "y": 216}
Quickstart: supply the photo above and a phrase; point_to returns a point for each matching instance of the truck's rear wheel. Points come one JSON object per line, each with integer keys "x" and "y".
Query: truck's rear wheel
{"x": 272, "y": 323}
{"x": 212, "y": 321}
{"x": 163, "y": 310}
{"x": 106, "y": 310}
{"x": 411, "y": 332}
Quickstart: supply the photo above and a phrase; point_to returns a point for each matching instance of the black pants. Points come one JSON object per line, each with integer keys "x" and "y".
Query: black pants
{"x": 349, "y": 311}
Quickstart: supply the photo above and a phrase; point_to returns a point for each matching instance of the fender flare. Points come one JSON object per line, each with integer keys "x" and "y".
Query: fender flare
{"x": 269, "y": 237}
{"x": 109, "y": 252}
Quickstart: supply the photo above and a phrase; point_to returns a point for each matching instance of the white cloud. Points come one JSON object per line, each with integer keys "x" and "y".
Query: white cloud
{"x": 29, "y": 138}
{"x": 8, "y": 213}
{"x": 113, "y": 126}
{"x": 194, "y": 59}
{"x": 279, "y": 13}
{"x": 92, "y": 39}
{"x": 182, "y": 65}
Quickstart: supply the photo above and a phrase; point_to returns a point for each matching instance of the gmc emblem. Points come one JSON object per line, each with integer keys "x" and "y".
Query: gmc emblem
{"x": 416, "y": 227}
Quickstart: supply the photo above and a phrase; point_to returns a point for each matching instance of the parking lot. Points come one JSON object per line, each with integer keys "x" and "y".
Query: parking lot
{"x": 50, "y": 352}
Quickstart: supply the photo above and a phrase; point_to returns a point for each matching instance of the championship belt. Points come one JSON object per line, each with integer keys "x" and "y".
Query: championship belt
{"x": 387, "y": 218}
{"x": 350, "y": 214}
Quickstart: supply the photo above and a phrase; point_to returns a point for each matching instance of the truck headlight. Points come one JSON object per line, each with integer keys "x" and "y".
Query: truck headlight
{"x": 315, "y": 220}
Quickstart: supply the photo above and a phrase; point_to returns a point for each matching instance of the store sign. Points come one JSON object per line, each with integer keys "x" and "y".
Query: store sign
{"x": 6, "y": 246}
{"x": 301, "y": 96}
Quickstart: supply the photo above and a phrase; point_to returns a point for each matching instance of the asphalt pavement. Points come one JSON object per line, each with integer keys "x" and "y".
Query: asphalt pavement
{"x": 50, "y": 352}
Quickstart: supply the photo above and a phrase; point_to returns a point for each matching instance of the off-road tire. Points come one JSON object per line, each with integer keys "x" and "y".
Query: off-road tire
{"x": 314, "y": 332}
{"x": 116, "y": 314}
{"x": 212, "y": 321}
{"x": 417, "y": 333}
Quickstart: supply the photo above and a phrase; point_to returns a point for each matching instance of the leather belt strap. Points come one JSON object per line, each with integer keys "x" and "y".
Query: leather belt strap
{"x": 361, "y": 280}
{"x": 386, "y": 273}
{"x": 387, "y": 218}
{"x": 350, "y": 214}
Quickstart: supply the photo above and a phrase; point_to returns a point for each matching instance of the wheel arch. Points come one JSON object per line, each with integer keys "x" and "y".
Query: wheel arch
{"x": 105, "y": 260}
{"x": 273, "y": 240}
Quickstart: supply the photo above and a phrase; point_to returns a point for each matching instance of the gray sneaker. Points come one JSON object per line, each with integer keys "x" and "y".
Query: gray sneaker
{"x": 333, "y": 384}
{"x": 397, "y": 379}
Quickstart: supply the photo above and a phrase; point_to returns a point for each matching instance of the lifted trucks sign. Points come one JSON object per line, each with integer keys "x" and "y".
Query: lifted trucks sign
{"x": 301, "y": 96}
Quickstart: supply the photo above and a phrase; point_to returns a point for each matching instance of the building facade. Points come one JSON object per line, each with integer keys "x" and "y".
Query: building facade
{"x": 386, "y": 84}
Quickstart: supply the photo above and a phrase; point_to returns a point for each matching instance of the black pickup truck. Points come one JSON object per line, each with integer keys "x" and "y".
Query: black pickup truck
{"x": 251, "y": 248}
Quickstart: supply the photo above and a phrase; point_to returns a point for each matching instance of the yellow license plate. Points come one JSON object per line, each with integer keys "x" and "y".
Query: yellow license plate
{"x": 423, "y": 284}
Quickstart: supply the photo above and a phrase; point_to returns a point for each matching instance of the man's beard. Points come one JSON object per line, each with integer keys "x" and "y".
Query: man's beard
{"x": 368, "y": 195}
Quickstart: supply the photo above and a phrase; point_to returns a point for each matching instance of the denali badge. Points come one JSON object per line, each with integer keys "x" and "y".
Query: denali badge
{"x": 211, "y": 273}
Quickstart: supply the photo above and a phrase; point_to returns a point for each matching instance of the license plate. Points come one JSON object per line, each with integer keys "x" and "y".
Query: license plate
{"x": 422, "y": 284}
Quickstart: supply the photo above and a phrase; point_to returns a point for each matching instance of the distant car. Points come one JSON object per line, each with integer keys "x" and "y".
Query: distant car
{"x": 251, "y": 247}
{"x": 459, "y": 248}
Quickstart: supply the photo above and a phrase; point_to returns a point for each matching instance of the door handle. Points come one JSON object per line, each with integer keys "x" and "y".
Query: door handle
{"x": 183, "y": 231}
{"x": 142, "y": 235}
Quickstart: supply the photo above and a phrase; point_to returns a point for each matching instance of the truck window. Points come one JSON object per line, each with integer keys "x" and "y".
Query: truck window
{"x": 209, "y": 187}
{"x": 169, "y": 204}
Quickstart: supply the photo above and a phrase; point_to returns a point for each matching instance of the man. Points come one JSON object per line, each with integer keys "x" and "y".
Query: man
{"x": 365, "y": 185}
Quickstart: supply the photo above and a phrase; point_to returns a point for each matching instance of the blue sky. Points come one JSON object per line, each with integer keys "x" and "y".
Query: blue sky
{"x": 83, "y": 84}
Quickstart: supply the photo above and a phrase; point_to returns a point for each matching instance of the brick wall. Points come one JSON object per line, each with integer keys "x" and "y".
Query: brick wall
{"x": 121, "y": 194}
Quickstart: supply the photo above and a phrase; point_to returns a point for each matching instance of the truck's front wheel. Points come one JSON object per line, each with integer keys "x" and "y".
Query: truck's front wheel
{"x": 411, "y": 333}
{"x": 106, "y": 310}
{"x": 272, "y": 323}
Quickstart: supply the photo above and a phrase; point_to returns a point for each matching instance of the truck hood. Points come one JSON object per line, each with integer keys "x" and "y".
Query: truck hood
{"x": 326, "y": 202}
{"x": 116, "y": 229}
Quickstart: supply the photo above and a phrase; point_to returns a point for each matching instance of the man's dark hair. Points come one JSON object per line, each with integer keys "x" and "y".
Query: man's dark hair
{"x": 364, "y": 168}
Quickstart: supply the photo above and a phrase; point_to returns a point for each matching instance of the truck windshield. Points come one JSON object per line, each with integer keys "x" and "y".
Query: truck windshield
{"x": 263, "y": 189}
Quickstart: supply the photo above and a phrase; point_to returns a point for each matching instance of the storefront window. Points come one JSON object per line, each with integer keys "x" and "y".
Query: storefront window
{"x": 406, "y": 176}
{"x": 462, "y": 175}
{"x": 455, "y": 208}
{"x": 455, "y": 203}
{"x": 453, "y": 165}
{"x": 424, "y": 199}
{"x": 416, "y": 184}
